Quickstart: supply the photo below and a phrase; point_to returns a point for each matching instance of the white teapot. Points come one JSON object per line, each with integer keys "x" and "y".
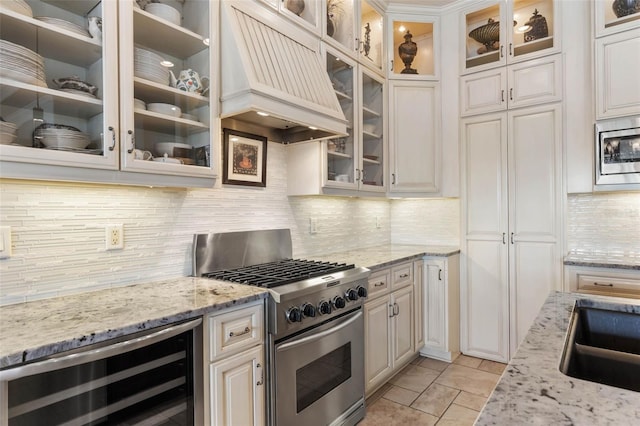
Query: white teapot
{"x": 188, "y": 81}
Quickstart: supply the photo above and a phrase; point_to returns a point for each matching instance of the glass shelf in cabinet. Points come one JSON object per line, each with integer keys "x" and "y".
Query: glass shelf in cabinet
{"x": 168, "y": 124}
{"x": 149, "y": 91}
{"x": 369, "y": 113}
{"x": 175, "y": 41}
{"x": 48, "y": 40}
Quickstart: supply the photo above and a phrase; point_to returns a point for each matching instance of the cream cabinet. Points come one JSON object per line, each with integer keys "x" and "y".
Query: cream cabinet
{"x": 498, "y": 33}
{"x": 349, "y": 165}
{"x": 617, "y": 66}
{"x": 415, "y": 144}
{"x": 389, "y": 315}
{"x": 419, "y": 285}
{"x": 511, "y": 227}
{"x": 603, "y": 281}
{"x": 115, "y": 139}
{"x": 528, "y": 83}
{"x": 235, "y": 386}
{"x": 441, "y": 304}
{"x": 612, "y": 16}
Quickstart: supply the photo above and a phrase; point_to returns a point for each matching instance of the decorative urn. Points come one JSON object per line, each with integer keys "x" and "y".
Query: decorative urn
{"x": 407, "y": 52}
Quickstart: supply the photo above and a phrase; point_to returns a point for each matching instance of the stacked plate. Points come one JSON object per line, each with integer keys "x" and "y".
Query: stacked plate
{"x": 8, "y": 133}
{"x": 56, "y": 136}
{"x": 18, "y": 6}
{"x": 21, "y": 64}
{"x": 166, "y": 109}
{"x": 61, "y": 23}
{"x": 164, "y": 11}
{"x": 147, "y": 65}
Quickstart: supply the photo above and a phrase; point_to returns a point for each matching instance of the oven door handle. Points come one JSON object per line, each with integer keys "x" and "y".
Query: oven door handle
{"x": 312, "y": 338}
{"x": 78, "y": 358}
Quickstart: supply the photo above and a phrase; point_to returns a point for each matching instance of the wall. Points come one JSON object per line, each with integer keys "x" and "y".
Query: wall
{"x": 607, "y": 223}
{"x": 436, "y": 221}
{"x": 58, "y": 229}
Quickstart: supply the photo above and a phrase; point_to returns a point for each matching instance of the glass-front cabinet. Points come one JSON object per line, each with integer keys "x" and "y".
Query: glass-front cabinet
{"x": 497, "y": 33}
{"x": 340, "y": 25}
{"x": 372, "y": 131}
{"x": 413, "y": 47}
{"x": 371, "y": 41}
{"x": 58, "y": 69}
{"x": 612, "y": 16}
{"x": 116, "y": 86}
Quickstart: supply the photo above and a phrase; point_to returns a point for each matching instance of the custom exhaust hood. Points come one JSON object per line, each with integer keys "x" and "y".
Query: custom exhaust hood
{"x": 265, "y": 71}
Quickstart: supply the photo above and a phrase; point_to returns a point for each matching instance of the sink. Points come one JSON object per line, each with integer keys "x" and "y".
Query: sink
{"x": 603, "y": 345}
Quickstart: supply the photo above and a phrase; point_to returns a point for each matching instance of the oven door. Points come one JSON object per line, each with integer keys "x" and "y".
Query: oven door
{"x": 319, "y": 375}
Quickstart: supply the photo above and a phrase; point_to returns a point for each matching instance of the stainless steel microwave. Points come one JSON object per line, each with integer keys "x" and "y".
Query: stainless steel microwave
{"x": 617, "y": 151}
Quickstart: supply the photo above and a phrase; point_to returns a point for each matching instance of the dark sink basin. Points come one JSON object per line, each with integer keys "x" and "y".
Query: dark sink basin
{"x": 603, "y": 346}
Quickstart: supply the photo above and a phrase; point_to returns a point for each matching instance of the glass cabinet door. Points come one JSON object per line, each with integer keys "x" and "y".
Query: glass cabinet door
{"x": 164, "y": 83}
{"x": 612, "y": 16}
{"x": 372, "y": 130}
{"x": 58, "y": 65}
{"x": 371, "y": 37}
{"x": 535, "y": 28}
{"x": 305, "y": 13}
{"x": 484, "y": 37}
{"x": 342, "y": 152}
{"x": 413, "y": 48}
{"x": 340, "y": 24}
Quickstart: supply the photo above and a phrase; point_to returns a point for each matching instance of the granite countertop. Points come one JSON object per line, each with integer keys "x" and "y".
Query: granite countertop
{"x": 533, "y": 391}
{"x": 379, "y": 257}
{"x": 600, "y": 259}
{"x": 36, "y": 329}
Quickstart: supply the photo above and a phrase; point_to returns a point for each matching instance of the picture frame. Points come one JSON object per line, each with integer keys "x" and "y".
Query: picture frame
{"x": 244, "y": 159}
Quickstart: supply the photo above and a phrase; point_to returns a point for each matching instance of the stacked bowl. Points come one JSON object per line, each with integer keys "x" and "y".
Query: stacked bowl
{"x": 58, "y": 136}
{"x": 164, "y": 11}
{"x": 8, "y": 133}
{"x": 148, "y": 65}
{"x": 21, "y": 64}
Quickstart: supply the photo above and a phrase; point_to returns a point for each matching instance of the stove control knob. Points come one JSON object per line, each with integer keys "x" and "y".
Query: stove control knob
{"x": 308, "y": 310}
{"x": 324, "y": 307}
{"x": 294, "y": 315}
{"x": 352, "y": 294}
{"x": 339, "y": 302}
{"x": 362, "y": 291}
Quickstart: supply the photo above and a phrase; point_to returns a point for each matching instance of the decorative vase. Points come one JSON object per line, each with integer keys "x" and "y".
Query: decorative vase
{"x": 539, "y": 29}
{"x": 296, "y": 6}
{"x": 331, "y": 25}
{"x": 407, "y": 52}
{"x": 625, "y": 7}
{"x": 367, "y": 40}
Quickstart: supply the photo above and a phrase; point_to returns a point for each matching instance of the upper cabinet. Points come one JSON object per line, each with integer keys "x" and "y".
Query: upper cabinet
{"x": 413, "y": 47}
{"x": 77, "y": 95}
{"x": 341, "y": 23}
{"x": 612, "y": 16}
{"x": 371, "y": 41}
{"x": 497, "y": 33}
{"x": 305, "y": 13}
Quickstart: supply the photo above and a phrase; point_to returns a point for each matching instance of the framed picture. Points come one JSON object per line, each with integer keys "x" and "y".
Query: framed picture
{"x": 244, "y": 159}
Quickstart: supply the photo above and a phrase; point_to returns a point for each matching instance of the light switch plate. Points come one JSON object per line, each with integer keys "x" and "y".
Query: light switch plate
{"x": 5, "y": 242}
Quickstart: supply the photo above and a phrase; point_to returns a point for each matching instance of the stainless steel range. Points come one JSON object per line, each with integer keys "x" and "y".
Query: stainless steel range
{"x": 315, "y": 323}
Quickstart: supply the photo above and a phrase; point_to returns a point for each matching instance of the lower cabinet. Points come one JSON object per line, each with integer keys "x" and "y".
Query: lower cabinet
{"x": 388, "y": 326}
{"x": 603, "y": 281}
{"x": 441, "y": 305}
{"x": 234, "y": 357}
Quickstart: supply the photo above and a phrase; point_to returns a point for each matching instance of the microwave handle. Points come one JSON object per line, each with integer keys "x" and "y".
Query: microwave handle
{"x": 317, "y": 336}
{"x": 78, "y": 358}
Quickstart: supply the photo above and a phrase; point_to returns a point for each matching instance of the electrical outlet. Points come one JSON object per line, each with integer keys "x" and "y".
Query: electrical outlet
{"x": 313, "y": 225}
{"x": 114, "y": 237}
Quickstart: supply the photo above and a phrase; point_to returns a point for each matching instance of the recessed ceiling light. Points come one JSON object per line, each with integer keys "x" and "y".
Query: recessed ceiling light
{"x": 167, "y": 64}
{"x": 523, "y": 29}
{"x": 264, "y": 114}
{"x": 205, "y": 41}
{"x": 234, "y": 139}
{"x": 313, "y": 128}
{"x": 401, "y": 28}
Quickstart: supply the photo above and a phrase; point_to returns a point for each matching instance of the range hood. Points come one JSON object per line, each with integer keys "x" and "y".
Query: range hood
{"x": 264, "y": 70}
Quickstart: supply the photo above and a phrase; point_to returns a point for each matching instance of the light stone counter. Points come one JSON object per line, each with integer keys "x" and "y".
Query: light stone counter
{"x": 35, "y": 329}
{"x": 599, "y": 259}
{"x": 533, "y": 391}
{"x": 379, "y": 257}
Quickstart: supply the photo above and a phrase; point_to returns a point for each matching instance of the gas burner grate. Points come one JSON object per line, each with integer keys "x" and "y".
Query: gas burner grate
{"x": 278, "y": 273}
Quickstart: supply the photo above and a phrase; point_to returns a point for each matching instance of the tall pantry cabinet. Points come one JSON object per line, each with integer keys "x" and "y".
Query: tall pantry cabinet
{"x": 511, "y": 191}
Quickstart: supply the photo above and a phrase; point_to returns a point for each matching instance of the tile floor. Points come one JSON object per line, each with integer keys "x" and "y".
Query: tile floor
{"x": 431, "y": 392}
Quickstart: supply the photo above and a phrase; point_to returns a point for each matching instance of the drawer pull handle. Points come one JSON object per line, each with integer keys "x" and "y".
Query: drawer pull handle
{"x": 439, "y": 274}
{"x": 404, "y": 276}
{"x": 246, "y": 330}
{"x": 261, "y": 381}
{"x": 380, "y": 284}
{"x": 603, "y": 284}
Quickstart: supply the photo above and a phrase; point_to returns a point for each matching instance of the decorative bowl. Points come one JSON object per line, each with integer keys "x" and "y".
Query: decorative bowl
{"x": 625, "y": 7}
{"x": 487, "y": 34}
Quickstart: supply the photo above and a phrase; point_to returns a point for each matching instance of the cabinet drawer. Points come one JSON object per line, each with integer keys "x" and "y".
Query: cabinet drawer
{"x": 236, "y": 330}
{"x": 401, "y": 275}
{"x": 627, "y": 286}
{"x": 379, "y": 283}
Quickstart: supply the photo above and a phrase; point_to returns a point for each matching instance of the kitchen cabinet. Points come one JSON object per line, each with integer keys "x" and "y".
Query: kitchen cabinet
{"x": 353, "y": 164}
{"x": 524, "y": 84}
{"x": 617, "y": 66}
{"x": 371, "y": 42}
{"x": 418, "y": 305}
{"x": 304, "y": 13}
{"x": 603, "y": 281}
{"x": 388, "y": 318}
{"x": 511, "y": 227}
{"x": 441, "y": 305}
{"x": 122, "y": 137}
{"x": 415, "y": 143}
{"x": 234, "y": 342}
{"x": 500, "y": 33}
{"x": 612, "y": 16}
{"x": 418, "y": 38}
